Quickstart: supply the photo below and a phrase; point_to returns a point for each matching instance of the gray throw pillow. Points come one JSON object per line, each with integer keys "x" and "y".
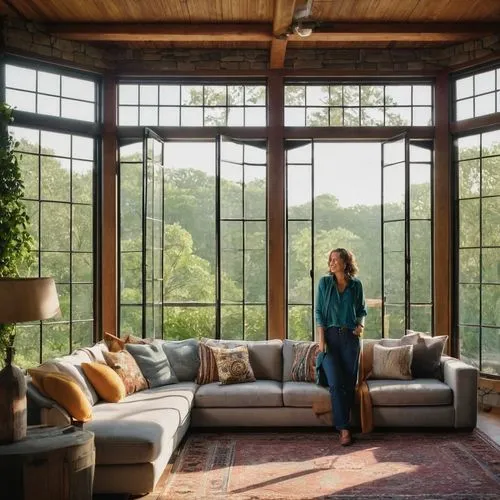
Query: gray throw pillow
{"x": 426, "y": 362}
{"x": 153, "y": 363}
{"x": 392, "y": 362}
{"x": 183, "y": 357}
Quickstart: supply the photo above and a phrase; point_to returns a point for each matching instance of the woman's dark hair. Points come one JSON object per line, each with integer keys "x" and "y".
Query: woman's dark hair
{"x": 351, "y": 266}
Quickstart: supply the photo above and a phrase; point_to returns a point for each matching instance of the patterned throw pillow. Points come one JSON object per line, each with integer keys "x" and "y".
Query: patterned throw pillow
{"x": 207, "y": 371}
{"x": 233, "y": 365}
{"x": 392, "y": 362}
{"x": 113, "y": 342}
{"x": 304, "y": 362}
{"x": 125, "y": 365}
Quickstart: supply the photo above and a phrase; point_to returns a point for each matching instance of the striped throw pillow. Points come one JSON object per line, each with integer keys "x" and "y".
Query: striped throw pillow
{"x": 304, "y": 362}
{"x": 207, "y": 371}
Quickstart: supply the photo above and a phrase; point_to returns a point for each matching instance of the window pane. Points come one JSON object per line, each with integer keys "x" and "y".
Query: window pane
{"x": 490, "y": 351}
{"x": 77, "y": 88}
{"x": 468, "y": 297}
{"x": 189, "y": 322}
{"x": 300, "y": 323}
{"x": 469, "y": 345}
{"x": 469, "y": 265}
{"x": 469, "y": 223}
{"x": 299, "y": 263}
{"x": 232, "y": 323}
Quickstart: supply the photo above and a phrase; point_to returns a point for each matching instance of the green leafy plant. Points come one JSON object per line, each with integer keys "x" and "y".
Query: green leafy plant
{"x": 16, "y": 243}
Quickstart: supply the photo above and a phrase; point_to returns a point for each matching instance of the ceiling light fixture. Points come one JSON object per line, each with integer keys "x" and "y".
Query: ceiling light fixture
{"x": 301, "y": 31}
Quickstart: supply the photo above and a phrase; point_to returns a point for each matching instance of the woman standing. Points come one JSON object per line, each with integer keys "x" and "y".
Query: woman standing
{"x": 340, "y": 319}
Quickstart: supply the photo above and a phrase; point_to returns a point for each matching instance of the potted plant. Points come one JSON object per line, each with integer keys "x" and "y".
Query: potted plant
{"x": 16, "y": 243}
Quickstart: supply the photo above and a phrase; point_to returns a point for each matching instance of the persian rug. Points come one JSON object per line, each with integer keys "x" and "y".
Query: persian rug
{"x": 312, "y": 465}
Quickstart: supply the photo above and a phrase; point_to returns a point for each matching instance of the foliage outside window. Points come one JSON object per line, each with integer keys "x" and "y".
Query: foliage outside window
{"x": 477, "y": 169}
{"x": 58, "y": 172}
{"x": 352, "y": 105}
{"x": 334, "y": 197}
{"x": 209, "y": 240}
{"x": 477, "y": 94}
{"x": 195, "y": 105}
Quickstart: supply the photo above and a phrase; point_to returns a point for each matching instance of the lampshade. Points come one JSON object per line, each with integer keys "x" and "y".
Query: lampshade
{"x": 27, "y": 299}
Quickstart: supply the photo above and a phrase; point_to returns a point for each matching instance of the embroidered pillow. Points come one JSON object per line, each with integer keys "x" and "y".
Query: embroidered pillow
{"x": 126, "y": 367}
{"x": 207, "y": 370}
{"x": 233, "y": 365}
{"x": 304, "y": 362}
{"x": 392, "y": 362}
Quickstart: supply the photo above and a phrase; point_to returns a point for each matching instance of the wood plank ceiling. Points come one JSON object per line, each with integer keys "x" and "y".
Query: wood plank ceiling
{"x": 266, "y": 23}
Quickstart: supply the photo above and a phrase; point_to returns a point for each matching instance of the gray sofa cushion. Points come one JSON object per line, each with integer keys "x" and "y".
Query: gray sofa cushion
{"x": 153, "y": 363}
{"x": 258, "y": 394}
{"x": 265, "y": 356}
{"x": 302, "y": 394}
{"x": 135, "y": 430}
{"x": 416, "y": 392}
{"x": 183, "y": 357}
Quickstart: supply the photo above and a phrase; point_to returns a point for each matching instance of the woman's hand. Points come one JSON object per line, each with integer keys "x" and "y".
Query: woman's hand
{"x": 358, "y": 331}
{"x": 321, "y": 346}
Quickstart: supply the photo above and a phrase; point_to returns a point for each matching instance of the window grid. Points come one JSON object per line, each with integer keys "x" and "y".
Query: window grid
{"x": 182, "y": 105}
{"x": 472, "y": 99}
{"x": 478, "y": 250}
{"x": 348, "y": 105}
{"x": 65, "y": 327}
{"x": 45, "y": 92}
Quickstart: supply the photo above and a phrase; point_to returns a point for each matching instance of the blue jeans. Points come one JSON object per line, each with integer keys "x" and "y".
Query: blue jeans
{"x": 341, "y": 369}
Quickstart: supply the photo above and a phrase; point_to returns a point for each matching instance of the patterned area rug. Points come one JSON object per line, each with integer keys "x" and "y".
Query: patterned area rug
{"x": 311, "y": 465}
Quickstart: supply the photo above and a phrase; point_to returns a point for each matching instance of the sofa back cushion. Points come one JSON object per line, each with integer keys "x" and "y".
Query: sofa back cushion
{"x": 183, "y": 357}
{"x": 265, "y": 356}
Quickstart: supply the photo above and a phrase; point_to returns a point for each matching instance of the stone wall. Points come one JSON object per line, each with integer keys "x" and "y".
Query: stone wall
{"x": 31, "y": 38}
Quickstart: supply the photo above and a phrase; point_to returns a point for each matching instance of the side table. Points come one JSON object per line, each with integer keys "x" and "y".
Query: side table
{"x": 51, "y": 463}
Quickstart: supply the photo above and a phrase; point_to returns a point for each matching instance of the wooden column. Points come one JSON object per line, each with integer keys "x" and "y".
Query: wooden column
{"x": 443, "y": 200}
{"x": 276, "y": 211}
{"x": 109, "y": 227}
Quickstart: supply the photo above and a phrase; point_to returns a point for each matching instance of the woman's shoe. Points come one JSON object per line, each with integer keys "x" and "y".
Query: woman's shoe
{"x": 345, "y": 437}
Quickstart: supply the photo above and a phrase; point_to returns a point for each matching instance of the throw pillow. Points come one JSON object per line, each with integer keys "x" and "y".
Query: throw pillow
{"x": 65, "y": 391}
{"x": 427, "y": 354}
{"x": 392, "y": 362}
{"x": 304, "y": 362}
{"x": 183, "y": 357}
{"x": 207, "y": 371}
{"x": 132, "y": 339}
{"x": 105, "y": 380}
{"x": 114, "y": 343}
{"x": 126, "y": 367}
{"x": 233, "y": 365}
{"x": 153, "y": 363}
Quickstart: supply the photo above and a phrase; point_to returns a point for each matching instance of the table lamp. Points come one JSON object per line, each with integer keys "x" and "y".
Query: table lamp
{"x": 21, "y": 300}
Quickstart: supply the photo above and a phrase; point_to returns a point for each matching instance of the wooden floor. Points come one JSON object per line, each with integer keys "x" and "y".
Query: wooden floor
{"x": 488, "y": 422}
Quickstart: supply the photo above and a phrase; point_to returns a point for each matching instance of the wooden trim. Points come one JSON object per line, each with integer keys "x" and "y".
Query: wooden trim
{"x": 162, "y": 32}
{"x": 283, "y": 17}
{"x": 443, "y": 242}
{"x": 109, "y": 226}
{"x": 473, "y": 124}
{"x": 491, "y": 58}
{"x": 276, "y": 213}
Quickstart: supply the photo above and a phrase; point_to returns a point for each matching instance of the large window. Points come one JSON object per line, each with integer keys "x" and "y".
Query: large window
{"x": 477, "y": 170}
{"x": 359, "y": 196}
{"x": 214, "y": 240}
{"x": 58, "y": 168}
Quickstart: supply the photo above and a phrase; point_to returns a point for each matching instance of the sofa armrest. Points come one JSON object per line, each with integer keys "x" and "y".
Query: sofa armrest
{"x": 50, "y": 412}
{"x": 462, "y": 379}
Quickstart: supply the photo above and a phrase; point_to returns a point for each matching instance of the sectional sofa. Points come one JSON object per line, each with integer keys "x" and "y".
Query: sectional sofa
{"x": 136, "y": 437}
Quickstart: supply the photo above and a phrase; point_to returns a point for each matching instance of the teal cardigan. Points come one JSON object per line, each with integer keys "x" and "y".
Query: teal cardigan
{"x": 332, "y": 309}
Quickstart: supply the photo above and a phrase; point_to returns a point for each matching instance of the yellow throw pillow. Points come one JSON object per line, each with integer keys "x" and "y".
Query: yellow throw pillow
{"x": 105, "y": 380}
{"x": 64, "y": 391}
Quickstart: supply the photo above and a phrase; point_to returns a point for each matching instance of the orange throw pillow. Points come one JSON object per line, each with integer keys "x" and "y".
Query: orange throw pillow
{"x": 127, "y": 368}
{"x": 106, "y": 381}
{"x": 64, "y": 391}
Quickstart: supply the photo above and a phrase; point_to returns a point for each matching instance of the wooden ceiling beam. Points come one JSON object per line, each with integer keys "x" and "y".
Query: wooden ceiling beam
{"x": 331, "y": 32}
{"x": 283, "y": 17}
{"x": 398, "y": 32}
{"x": 135, "y": 32}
